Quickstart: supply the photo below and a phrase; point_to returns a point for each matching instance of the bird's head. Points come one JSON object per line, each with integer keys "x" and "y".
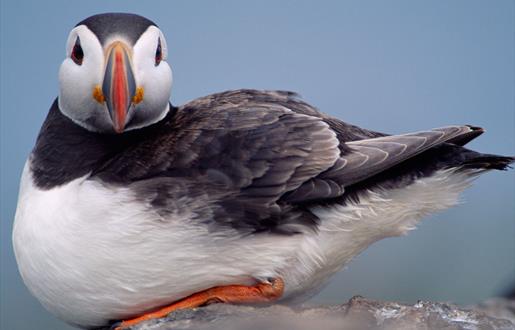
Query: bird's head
{"x": 115, "y": 76}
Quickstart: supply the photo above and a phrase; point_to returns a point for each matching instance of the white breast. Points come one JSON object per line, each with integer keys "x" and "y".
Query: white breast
{"x": 92, "y": 253}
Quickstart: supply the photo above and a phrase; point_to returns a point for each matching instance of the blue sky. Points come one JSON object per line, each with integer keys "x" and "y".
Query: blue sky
{"x": 395, "y": 66}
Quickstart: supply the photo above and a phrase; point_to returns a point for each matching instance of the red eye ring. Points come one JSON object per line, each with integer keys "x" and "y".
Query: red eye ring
{"x": 77, "y": 53}
{"x": 159, "y": 53}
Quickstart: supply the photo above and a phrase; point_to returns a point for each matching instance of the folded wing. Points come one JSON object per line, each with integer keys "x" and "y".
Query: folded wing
{"x": 362, "y": 159}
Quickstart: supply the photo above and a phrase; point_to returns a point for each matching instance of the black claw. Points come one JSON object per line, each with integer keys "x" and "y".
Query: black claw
{"x": 115, "y": 325}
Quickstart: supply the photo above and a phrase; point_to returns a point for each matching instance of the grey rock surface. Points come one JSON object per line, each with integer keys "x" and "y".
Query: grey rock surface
{"x": 357, "y": 313}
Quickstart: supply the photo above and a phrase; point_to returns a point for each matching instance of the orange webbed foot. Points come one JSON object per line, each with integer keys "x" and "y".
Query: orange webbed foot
{"x": 231, "y": 294}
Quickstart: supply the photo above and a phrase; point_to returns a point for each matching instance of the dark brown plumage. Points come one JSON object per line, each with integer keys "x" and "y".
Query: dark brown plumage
{"x": 260, "y": 156}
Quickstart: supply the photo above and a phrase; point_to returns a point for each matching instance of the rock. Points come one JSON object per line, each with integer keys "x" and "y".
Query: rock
{"x": 358, "y": 313}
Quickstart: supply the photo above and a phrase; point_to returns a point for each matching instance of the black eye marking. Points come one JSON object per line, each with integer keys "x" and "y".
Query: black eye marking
{"x": 77, "y": 53}
{"x": 159, "y": 53}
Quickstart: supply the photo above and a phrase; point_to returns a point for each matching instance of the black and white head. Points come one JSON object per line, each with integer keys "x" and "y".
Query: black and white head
{"x": 115, "y": 76}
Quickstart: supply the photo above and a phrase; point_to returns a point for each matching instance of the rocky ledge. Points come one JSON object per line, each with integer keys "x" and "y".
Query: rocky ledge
{"x": 357, "y": 313}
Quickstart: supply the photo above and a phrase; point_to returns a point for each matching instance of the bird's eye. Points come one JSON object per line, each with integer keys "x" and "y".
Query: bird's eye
{"x": 77, "y": 53}
{"x": 159, "y": 53}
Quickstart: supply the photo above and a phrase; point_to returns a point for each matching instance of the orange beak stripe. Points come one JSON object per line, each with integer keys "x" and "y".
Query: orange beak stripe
{"x": 119, "y": 89}
{"x": 119, "y": 86}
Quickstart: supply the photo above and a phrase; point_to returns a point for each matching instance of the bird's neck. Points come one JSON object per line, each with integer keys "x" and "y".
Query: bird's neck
{"x": 65, "y": 151}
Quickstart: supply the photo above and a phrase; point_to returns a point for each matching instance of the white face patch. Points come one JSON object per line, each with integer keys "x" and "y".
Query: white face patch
{"x": 156, "y": 80}
{"x": 78, "y": 81}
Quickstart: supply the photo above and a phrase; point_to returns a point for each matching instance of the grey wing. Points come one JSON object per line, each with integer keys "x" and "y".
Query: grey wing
{"x": 245, "y": 155}
{"x": 260, "y": 156}
{"x": 363, "y": 159}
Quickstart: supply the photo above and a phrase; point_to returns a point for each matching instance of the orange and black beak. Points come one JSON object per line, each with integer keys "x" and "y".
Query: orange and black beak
{"x": 119, "y": 86}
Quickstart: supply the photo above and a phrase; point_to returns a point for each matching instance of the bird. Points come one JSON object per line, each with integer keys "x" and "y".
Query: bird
{"x": 130, "y": 207}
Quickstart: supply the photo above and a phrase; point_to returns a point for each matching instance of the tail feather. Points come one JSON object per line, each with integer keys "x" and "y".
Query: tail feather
{"x": 489, "y": 162}
{"x": 443, "y": 157}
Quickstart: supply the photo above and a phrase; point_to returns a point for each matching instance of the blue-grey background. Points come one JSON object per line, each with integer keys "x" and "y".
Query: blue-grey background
{"x": 393, "y": 66}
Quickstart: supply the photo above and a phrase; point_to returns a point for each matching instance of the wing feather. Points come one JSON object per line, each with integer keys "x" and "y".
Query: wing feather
{"x": 365, "y": 158}
{"x": 260, "y": 156}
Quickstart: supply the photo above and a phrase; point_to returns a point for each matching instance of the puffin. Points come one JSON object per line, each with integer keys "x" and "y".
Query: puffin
{"x": 131, "y": 208}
